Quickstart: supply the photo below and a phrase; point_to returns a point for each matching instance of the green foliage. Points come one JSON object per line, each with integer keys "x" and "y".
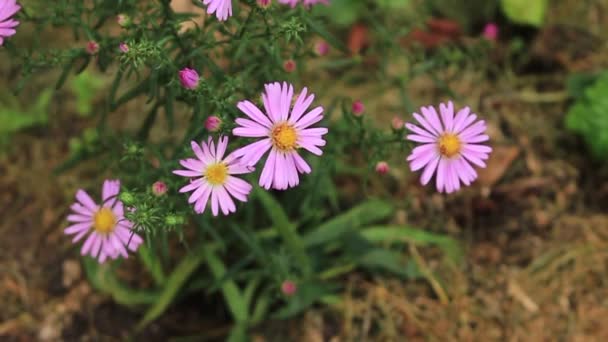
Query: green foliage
{"x": 588, "y": 116}
{"x": 85, "y": 87}
{"x": 14, "y": 117}
{"x": 529, "y": 12}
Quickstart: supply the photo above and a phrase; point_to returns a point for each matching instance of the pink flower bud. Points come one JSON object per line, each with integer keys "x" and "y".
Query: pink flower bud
{"x": 382, "y": 168}
{"x": 490, "y": 31}
{"x": 159, "y": 188}
{"x": 289, "y": 65}
{"x": 188, "y": 78}
{"x": 213, "y": 123}
{"x": 397, "y": 123}
{"x": 264, "y": 3}
{"x": 289, "y": 288}
{"x": 124, "y": 48}
{"x": 92, "y": 47}
{"x": 321, "y": 48}
{"x": 358, "y": 108}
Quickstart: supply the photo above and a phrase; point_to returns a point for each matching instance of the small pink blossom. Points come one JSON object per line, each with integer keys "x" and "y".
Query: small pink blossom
{"x": 159, "y": 188}
{"x": 188, "y": 78}
{"x": 321, "y": 48}
{"x": 221, "y": 8}
{"x": 450, "y": 144}
{"x": 212, "y": 177}
{"x": 213, "y": 123}
{"x": 289, "y": 288}
{"x": 8, "y": 8}
{"x": 382, "y": 168}
{"x": 283, "y": 131}
{"x": 92, "y": 47}
{"x": 490, "y": 31}
{"x": 358, "y": 108}
{"x": 289, "y": 65}
{"x": 397, "y": 123}
{"x": 110, "y": 234}
{"x": 123, "y": 47}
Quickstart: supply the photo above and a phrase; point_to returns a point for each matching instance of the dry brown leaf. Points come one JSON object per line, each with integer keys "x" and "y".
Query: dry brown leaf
{"x": 500, "y": 159}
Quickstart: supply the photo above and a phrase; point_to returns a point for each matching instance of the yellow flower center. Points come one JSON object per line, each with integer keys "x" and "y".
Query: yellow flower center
{"x": 104, "y": 221}
{"x": 216, "y": 173}
{"x": 449, "y": 145}
{"x": 284, "y": 137}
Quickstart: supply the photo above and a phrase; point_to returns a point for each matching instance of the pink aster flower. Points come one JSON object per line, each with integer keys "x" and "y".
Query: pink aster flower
{"x": 293, "y": 3}
{"x": 213, "y": 177}
{"x": 283, "y": 132}
{"x": 450, "y": 145}
{"x": 8, "y": 8}
{"x": 221, "y": 8}
{"x": 110, "y": 233}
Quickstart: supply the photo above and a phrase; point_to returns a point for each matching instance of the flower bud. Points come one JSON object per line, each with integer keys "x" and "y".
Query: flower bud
{"x": 289, "y": 288}
{"x": 126, "y": 198}
{"x": 490, "y": 31}
{"x": 289, "y": 65}
{"x": 159, "y": 188}
{"x": 397, "y": 123}
{"x": 358, "y": 108}
{"x": 123, "y": 47}
{"x": 213, "y": 123}
{"x": 321, "y": 48}
{"x": 92, "y": 47}
{"x": 188, "y": 78}
{"x": 382, "y": 168}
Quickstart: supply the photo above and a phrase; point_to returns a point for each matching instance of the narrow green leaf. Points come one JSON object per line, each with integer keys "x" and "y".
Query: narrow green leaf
{"x": 174, "y": 283}
{"x": 403, "y": 234}
{"x": 103, "y": 279}
{"x": 361, "y": 215}
{"x": 152, "y": 263}
{"x": 286, "y": 229}
{"x": 230, "y": 291}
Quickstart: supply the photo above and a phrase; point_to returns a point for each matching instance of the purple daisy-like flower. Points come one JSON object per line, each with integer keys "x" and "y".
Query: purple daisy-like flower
{"x": 110, "y": 233}
{"x": 450, "y": 145}
{"x": 293, "y": 3}
{"x": 8, "y": 8}
{"x": 221, "y": 8}
{"x": 283, "y": 132}
{"x": 213, "y": 177}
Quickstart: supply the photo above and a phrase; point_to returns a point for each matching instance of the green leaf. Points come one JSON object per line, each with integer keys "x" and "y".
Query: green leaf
{"x": 13, "y": 118}
{"x": 174, "y": 283}
{"x": 530, "y": 12}
{"x": 589, "y": 117}
{"x": 152, "y": 263}
{"x": 232, "y": 295}
{"x": 103, "y": 279}
{"x": 386, "y": 260}
{"x": 307, "y": 294}
{"x": 85, "y": 87}
{"x": 286, "y": 229}
{"x": 361, "y": 215}
{"x": 403, "y": 234}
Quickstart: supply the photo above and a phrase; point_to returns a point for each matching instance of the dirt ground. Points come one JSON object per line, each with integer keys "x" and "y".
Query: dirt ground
{"x": 534, "y": 227}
